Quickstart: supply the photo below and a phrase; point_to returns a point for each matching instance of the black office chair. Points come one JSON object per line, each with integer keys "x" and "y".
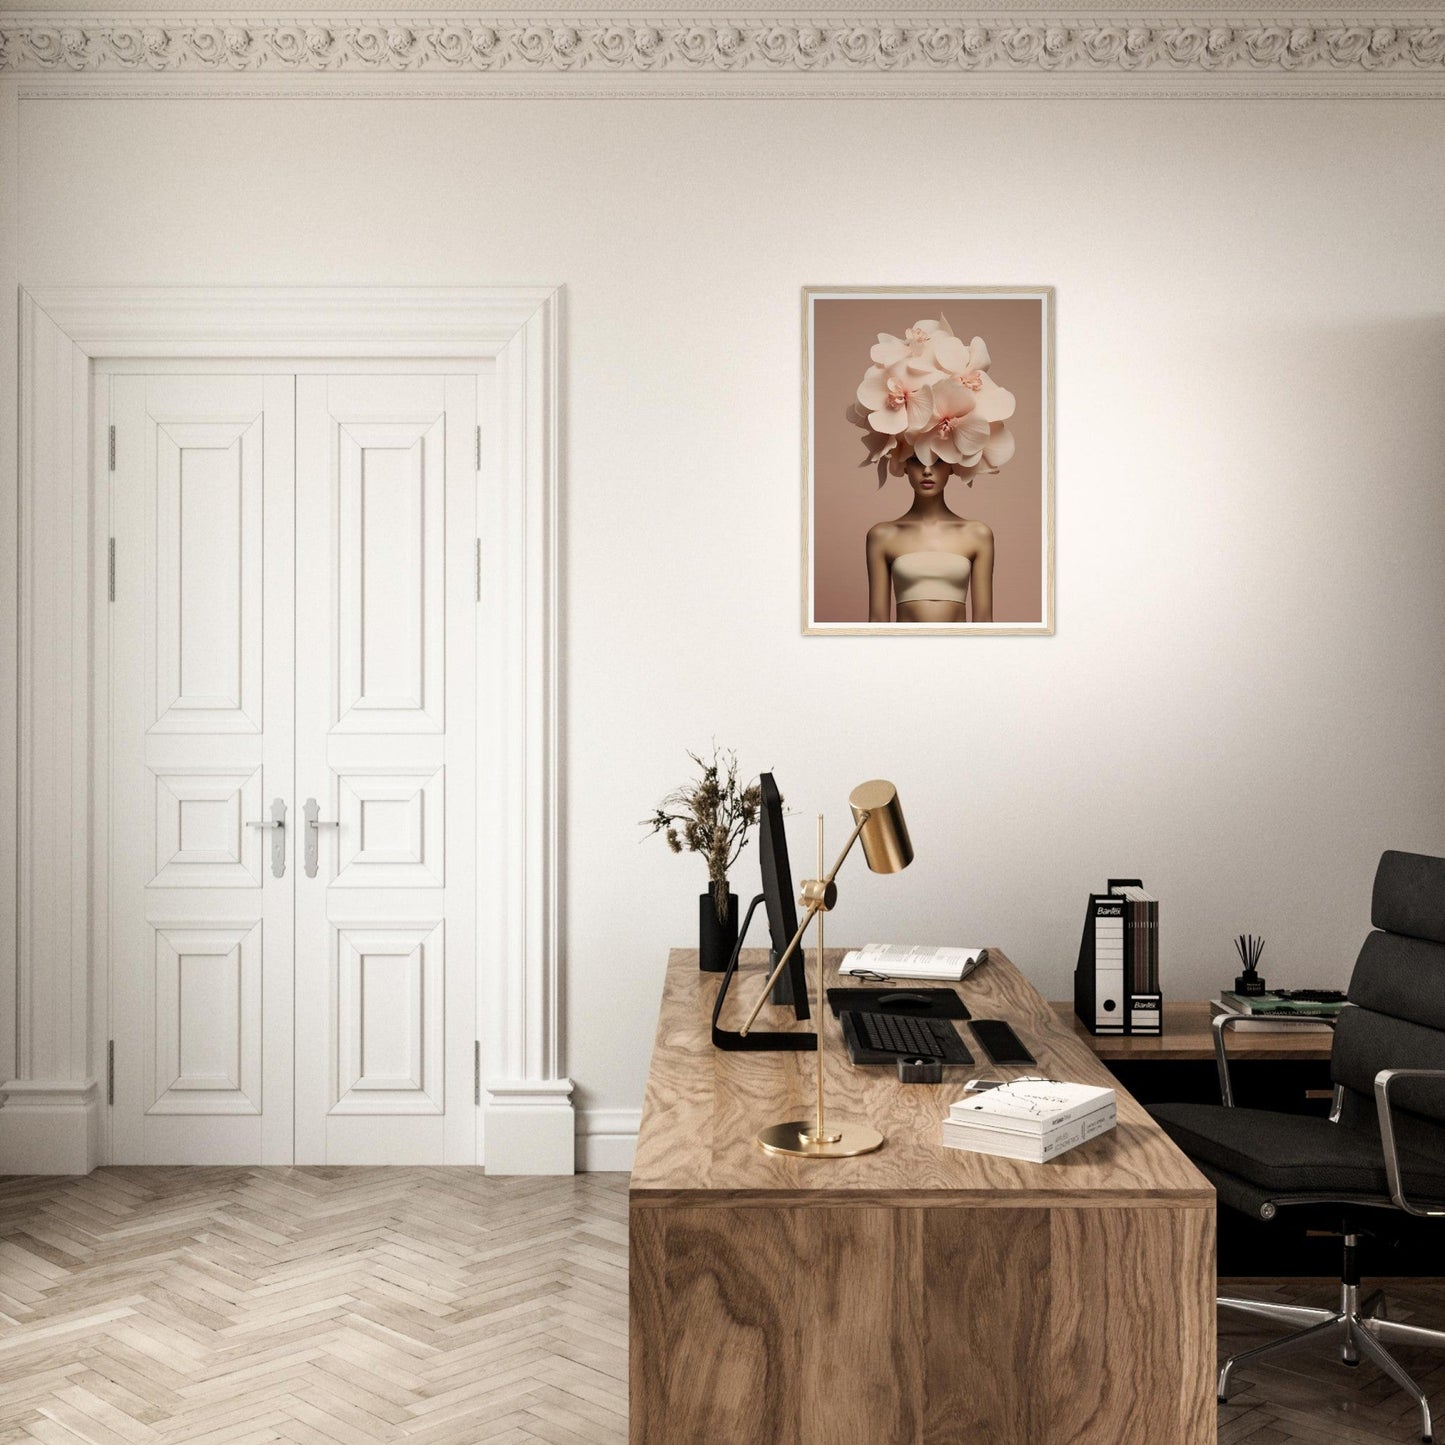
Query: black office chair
{"x": 1381, "y": 1151}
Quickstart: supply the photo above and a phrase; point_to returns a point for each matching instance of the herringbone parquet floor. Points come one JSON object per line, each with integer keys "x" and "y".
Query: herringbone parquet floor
{"x": 346, "y": 1306}
{"x": 236, "y": 1306}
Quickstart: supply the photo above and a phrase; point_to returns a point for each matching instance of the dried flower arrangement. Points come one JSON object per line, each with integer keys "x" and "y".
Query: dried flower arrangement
{"x": 711, "y": 816}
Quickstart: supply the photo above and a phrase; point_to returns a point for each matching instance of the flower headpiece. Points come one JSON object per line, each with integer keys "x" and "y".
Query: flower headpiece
{"x": 928, "y": 394}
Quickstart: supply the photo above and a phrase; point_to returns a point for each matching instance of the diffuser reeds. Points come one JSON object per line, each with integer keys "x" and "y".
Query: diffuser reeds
{"x": 1249, "y": 948}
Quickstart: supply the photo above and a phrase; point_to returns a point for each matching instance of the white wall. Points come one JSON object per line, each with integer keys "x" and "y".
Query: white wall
{"x": 1251, "y": 363}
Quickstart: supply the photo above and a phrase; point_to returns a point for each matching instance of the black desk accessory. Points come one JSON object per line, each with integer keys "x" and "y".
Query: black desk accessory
{"x": 755, "y": 1040}
{"x": 1000, "y": 1042}
{"x": 919, "y": 1003}
{"x": 874, "y": 1038}
{"x": 1249, "y": 948}
{"x": 920, "y": 1071}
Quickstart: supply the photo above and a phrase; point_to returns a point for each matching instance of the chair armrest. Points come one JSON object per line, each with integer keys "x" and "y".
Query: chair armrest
{"x": 1383, "y": 1080}
{"x": 1222, "y": 1023}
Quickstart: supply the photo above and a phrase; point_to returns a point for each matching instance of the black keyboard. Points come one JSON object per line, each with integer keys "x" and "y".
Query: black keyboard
{"x": 882, "y": 1038}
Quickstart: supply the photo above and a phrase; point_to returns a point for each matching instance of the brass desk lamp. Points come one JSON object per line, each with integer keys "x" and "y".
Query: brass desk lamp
{"x": 878, "y": 823}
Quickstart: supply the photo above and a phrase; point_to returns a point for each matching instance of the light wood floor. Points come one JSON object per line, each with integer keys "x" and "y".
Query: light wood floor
{"x": 313, "y": 1305}
{"x": 345, "y": 1306}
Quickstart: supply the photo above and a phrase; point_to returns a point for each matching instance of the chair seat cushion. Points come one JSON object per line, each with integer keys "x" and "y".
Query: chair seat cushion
{"x": 1292, "y": 1153}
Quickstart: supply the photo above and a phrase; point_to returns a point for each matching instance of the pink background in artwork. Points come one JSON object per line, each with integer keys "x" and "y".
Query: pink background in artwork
{"x": 846, "y": 499}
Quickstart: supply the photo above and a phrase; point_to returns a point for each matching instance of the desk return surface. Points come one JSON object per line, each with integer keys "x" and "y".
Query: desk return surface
{"x": 919, "y": 1293}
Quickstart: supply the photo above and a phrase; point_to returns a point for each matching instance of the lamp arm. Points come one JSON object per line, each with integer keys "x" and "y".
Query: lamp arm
{"x": 814, "y": 908}
{"x": 847, "y": 848}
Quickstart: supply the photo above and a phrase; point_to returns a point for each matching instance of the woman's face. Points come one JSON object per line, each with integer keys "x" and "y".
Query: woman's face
{"x": 927, "y": 479}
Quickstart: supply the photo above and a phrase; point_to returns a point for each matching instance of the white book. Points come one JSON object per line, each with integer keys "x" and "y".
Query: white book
{"x": 903, "y": 960}
{"x": 1034, "y": 1148}
{"x": 1033, "y": 1106}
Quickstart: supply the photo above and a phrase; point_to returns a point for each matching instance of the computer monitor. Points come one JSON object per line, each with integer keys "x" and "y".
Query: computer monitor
{"x": 777, "y": 898}
{"x": 791, "y": 987}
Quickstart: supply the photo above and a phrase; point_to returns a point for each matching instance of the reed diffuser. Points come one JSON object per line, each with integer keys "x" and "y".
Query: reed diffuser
{"x": 1249, "y": 948}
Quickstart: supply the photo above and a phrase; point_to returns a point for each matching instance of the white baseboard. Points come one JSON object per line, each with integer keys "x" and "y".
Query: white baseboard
{"x": 49, "y": 1126}
{"x": 530, "y": 1127}
{"x": 607, "y": 1139}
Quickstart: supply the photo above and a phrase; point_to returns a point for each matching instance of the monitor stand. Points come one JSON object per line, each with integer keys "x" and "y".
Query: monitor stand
{"x": 758, "y": 1040}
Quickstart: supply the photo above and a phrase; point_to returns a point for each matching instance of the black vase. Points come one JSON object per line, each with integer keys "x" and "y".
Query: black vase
{"x": 716, "y": 939}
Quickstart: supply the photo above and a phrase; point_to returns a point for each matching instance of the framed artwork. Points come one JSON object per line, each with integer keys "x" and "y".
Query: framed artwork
{"x": 928, "y": 460}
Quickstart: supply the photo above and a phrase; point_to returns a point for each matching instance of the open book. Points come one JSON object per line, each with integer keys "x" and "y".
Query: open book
{"x": 902, "y": 960}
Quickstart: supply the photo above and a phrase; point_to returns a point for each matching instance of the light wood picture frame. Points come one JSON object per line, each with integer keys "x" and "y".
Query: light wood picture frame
{"x": 897, "y": 382}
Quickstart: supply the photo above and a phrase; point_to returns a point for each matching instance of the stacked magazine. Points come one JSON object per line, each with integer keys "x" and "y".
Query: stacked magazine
{"x": 1033, "y": 1119}
{"x": 902, "y": 960}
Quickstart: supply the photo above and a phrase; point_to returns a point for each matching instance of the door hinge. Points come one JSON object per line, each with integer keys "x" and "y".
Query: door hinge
{"x": 110, "y": 1072}
{"x": 477, "y": 1072}
{"x": 110, "y": 569}
{"x": 479, "y": 569}
{"x": 479, "y": 447}
{"x": 112, "y": 448}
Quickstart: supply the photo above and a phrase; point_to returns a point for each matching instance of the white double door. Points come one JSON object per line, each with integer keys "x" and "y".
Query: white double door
{"x": 292, "y": 641}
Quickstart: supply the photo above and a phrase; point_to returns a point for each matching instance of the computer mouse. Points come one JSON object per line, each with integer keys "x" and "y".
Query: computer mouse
{"x": 904, "y": 1000}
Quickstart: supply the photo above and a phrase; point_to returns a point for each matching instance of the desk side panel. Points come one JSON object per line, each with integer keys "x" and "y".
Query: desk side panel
{"x": 860, "y": 1325}
{"x": 986, "y": 1302}
{"x": 1131, "y": 1355}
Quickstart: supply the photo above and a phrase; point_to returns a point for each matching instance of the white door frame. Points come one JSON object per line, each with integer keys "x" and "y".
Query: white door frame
{"x": 53, "y": 1115}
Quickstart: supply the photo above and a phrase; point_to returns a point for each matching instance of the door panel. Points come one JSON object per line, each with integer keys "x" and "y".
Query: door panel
{"x": 390, "y": 574}
{"x": 385, "y": 736}
{"x": 201, "y": 741}
{"x": 208, "y": 558}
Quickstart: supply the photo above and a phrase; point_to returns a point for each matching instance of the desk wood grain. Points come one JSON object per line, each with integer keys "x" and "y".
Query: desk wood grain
{"x": 703, "y": 1107}
{"x": 919, "y": 1295}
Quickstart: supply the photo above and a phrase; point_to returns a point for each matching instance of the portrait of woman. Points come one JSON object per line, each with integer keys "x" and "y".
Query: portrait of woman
{"x": 930, "y": 563}
{"x": 948, "y": 529}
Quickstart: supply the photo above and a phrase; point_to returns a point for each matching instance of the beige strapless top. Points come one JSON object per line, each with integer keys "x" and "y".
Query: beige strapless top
{"x": 931, "y": 577}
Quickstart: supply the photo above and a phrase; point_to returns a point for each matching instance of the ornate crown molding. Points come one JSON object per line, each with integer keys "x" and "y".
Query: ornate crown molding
{"x": 859, "y": 45}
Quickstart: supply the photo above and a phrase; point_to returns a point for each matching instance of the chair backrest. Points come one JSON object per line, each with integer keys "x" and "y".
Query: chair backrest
{"x": 1398, "y": 993}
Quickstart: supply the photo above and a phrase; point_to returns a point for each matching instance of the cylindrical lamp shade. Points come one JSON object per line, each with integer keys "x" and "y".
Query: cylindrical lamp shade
{"x": 886, "y": 843}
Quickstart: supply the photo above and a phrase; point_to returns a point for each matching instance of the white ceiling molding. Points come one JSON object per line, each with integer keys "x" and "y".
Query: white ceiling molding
{"x": 1292, "y": 55}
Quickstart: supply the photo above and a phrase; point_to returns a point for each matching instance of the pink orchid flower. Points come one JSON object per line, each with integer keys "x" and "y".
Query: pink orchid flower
{"x": 968, "y": 365}
{"x": 956, "y": 432}
{"x": 896, "y": 398}
{"x": 915, "y": 346}
{"x": 955, "y": 358}
{"x": 999, "y": 447}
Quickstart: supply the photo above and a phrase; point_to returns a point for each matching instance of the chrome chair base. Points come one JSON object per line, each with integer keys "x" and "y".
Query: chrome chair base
{"x": 1359, "y": 1327}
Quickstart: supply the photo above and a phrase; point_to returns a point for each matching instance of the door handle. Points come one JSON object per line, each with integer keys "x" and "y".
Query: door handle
{"x": 314, "y": 825}
{"x": 277, "y": 822}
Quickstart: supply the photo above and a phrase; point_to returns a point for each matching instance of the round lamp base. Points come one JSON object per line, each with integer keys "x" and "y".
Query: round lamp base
{"x": 844, "y": 1141}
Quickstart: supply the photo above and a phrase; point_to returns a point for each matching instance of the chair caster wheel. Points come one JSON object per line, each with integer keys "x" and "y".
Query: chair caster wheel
{"x": 1353, "y": 1364}
{"x": 1221, "y": 1399}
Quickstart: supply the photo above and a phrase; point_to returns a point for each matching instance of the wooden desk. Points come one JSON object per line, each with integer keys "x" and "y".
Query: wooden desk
{"x": 919, "y": 1294}
{"x": 1187, "y": 1036}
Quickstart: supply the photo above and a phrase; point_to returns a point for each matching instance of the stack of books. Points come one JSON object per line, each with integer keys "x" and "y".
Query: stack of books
{"x": 1032, "y": 1119}
{"x": 1261, "y": 1012}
